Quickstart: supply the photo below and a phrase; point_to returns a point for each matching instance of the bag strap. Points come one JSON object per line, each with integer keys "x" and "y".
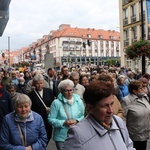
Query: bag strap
{"x": 119, "y": 128}
{"x": 21, "y": 134}
{"x": 66, "y": 111}
{"x": 40, "y": 99}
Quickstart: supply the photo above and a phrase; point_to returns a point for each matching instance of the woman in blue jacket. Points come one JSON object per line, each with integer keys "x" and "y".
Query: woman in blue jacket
{"x": 23, "y": 129}
{"x": 67, "y": 110}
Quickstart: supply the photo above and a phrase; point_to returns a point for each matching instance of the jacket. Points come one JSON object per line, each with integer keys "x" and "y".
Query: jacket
{"x": 90, "y": 135}
{"x": 6, "y": 105}
{"x": 57, "y": 115}
{"x": 137, "y": 114}
{"x": 33, "y": 130}
{"x": 123, "y": 91}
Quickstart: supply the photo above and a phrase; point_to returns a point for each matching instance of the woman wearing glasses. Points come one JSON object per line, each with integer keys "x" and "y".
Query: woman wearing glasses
{"x": 67, "y": 110}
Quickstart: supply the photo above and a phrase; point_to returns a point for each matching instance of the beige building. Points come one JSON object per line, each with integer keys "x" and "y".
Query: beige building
{"x": 130, "y": 28}
{"x": 72, "y": 45}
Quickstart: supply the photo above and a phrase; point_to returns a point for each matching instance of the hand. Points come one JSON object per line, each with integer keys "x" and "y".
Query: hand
{"x": 28, "y": 148}
{"x": 70, "y": 122}
{"x": 47, "y": 110}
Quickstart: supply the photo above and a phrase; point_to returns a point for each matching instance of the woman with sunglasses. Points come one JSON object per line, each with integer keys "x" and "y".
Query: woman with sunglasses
{"x": 67, "y": 110}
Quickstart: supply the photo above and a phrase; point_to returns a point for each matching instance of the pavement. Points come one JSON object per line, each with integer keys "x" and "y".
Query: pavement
{"x": 51, "y": 145}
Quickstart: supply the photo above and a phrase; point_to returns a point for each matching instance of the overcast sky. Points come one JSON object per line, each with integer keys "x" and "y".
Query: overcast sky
{"x": 31, "y": 19}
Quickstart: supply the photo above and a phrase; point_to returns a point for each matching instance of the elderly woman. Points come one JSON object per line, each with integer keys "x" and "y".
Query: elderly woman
{"x": 41, "y": 100}
{"x": 100, "y": 129}
{"x": 123, "y": 88}
{"x": 137, "y": 113}
{"x": 67, "y": 110}
{"x": 23, "y": 129}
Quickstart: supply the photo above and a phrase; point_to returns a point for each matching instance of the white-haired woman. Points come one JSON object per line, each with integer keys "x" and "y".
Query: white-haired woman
{"x": 67, "y": 110}
{"x": 23, "y": 129}
{"x": 42, "y": 98}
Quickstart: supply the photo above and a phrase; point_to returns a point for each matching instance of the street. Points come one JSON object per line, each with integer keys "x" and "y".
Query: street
{"x": 51, "y": 145}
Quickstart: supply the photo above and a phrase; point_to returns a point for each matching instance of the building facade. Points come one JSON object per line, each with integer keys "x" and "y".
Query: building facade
{"x": 75, "y": 46}
{"x": 131, "y": 23}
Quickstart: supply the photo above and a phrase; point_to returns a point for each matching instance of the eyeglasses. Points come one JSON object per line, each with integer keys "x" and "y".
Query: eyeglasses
{"x": 67, "y": 91}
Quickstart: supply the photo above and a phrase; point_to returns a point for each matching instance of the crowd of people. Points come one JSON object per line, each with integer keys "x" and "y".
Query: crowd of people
{"x": 81, "y": 107}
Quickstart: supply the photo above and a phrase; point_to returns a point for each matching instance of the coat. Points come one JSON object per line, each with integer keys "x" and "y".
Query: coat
{"x": 57, "y": 115}
{"x": 33, "y": 130}
{"x": 38, "y": 107}
{"x": 90, "y": 135}
{"x": 6, "y": 105}
{"x": 137, "y": 114}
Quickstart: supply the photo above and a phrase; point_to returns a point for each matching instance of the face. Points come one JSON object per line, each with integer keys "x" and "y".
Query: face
{"x": 139, "y": 90}
{"x": 75, "y": 79}
{"x": 85, "y": 81}
{"x": 23, "y": 110}
{"x": 68, "y": 92}
{"x": 65, "y": 72}
{"x": 122, "y": 81}
{"x": 103, "y": 110}
{"x": 13, "y": 75}
{"x": 12, "y": 91}
{"x": 51, "y": 73}
{"x": 39, "y": 85}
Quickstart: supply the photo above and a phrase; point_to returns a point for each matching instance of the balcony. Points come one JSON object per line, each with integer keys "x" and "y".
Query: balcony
{"x": 143, "y": 16}
{"x": 124, "y": 2}
{"x": 125, "y": 21}
{"x": 126, "y": 42}
{"x": 133, "y": 18}
{"x": 134, "y": 40}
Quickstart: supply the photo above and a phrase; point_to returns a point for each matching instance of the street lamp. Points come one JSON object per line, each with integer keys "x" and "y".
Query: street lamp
{"x": 9, "y": 51}
{"x": 142, "y": 35}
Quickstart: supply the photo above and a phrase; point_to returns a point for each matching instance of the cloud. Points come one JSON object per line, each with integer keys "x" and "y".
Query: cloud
{"x": 31, "y": 19}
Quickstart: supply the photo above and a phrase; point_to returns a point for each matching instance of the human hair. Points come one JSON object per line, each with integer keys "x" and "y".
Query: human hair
{"x": 105, "y": 77}
{"x": 49, "y": 69}
{"x": 65, "y": 83}
{"x": 63, "y": 67}
{"x": 11, "y": 86}
{"x": 120, "y": 77}
{"x": 37, "y": 77}
{"x": 147, "y": 76}
{"x": 81, "y": 77}
{"x": 144, "y": 80}
{"x": 74, "y": 73}
{"x": 134, "y": 85}
{"x": 20, "y": 99}
{"x": 97, "y": 90}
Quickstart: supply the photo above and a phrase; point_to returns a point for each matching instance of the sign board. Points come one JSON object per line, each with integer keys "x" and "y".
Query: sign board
{"x": 48, "y": 61}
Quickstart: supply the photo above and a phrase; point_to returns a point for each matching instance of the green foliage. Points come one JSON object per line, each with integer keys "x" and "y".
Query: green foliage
{"x": 112, "y": 61}
{"x": 25, "y": 64}
{"x": 138, "y": 49}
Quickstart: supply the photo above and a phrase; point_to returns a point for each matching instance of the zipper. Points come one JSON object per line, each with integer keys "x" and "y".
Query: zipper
{"x": 25, "y": 134}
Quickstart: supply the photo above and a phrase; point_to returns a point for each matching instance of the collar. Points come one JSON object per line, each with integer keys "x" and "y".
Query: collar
{"x": 29, "y": 118}
{"x": 100, "y": 129}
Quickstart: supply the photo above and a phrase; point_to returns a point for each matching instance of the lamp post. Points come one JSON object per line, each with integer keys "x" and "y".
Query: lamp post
{"x": 142, "y": 35}
{"x": 9, "y": 52}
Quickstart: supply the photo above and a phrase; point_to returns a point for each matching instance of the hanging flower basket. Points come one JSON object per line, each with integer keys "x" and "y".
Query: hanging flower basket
{"x": 138, "y": 49}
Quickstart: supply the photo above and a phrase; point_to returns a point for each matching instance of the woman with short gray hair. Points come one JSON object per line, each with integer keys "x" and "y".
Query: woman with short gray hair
{"x": 67, "y": 110}
{"x": 64, "y": 84}
{"x": 41, "y": 100}
{"x": 23, "y": 128}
